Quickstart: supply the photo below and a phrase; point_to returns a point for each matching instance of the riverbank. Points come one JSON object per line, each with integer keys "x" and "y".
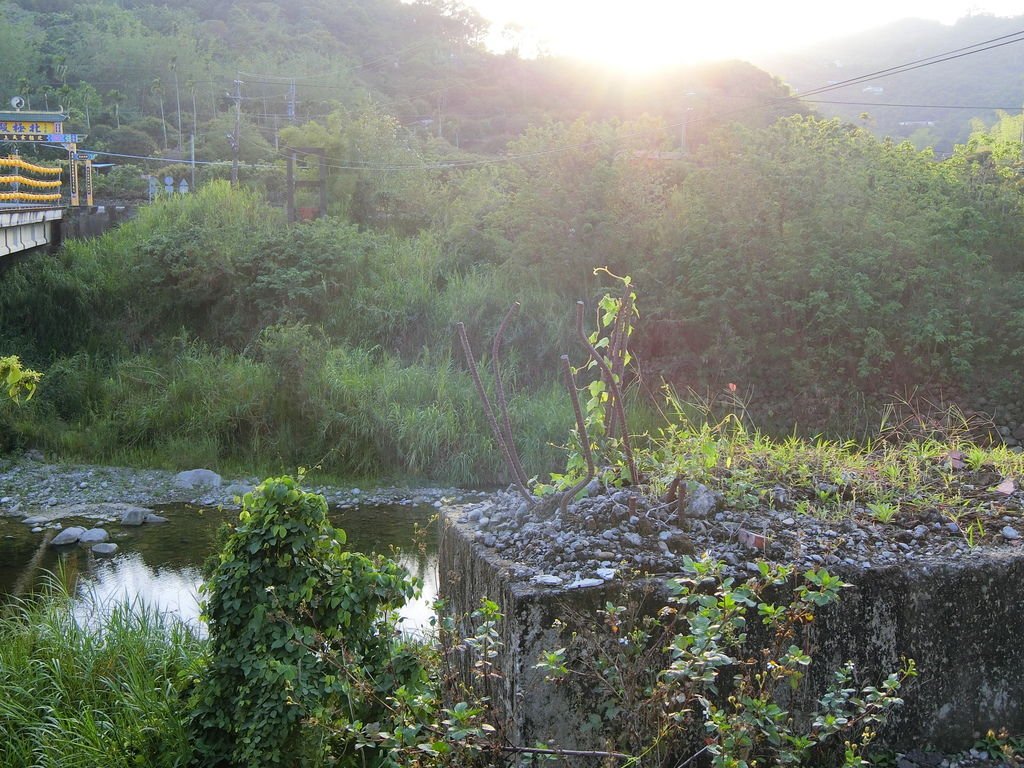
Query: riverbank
{"x": 32, "y": 486}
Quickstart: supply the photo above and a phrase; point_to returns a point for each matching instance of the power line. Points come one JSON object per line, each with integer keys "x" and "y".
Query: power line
{"x": 956, "y": 53}
{"x": 912, "y": 106}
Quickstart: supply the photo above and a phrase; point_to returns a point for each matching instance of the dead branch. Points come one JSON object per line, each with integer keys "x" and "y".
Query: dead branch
{"x": 499, "y": 385}
{"x": 489, "y": 411}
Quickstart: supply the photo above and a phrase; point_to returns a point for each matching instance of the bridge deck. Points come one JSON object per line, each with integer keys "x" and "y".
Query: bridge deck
{"x": 23, "y": 227}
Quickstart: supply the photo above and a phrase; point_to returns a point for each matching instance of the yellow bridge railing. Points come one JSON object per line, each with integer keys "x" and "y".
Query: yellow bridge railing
{"x": 18, "y": 180}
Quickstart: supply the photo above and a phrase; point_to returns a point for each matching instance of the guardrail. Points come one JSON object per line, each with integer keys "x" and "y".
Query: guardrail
{"x": 17, "y": 180}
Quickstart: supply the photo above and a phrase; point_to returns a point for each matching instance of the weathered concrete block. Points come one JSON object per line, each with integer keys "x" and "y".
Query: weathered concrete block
{"x": 962, "y": 621}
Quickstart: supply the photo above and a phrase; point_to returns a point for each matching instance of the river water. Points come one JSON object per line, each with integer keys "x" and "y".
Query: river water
{"x": 160, "y": 564}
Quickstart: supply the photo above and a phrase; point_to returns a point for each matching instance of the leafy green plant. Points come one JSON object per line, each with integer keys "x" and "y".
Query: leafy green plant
{"x": 883, "y": 511}
{"x": 302, "y": 639}
{"x": 17, "y": 380}
{"x": 654, "y": 679}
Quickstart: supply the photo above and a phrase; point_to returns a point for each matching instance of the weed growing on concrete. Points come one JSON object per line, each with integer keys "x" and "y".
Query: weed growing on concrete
{"x": 718, "y": 664}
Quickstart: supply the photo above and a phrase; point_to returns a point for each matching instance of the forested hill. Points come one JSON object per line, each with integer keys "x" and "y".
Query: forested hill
{"x": 954, "y": 92}
{"x": 161, "y": 69}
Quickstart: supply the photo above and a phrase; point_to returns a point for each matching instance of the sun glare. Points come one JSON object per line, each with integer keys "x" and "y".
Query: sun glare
{"x": 642, "y": 36}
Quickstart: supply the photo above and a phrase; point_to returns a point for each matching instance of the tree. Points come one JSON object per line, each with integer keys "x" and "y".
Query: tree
{"x": 156, "y": 89}
{"x": 116, "y": 98}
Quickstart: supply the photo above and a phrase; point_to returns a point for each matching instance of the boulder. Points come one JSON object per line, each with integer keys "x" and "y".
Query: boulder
{"x": 67, "y": 536}
{"x": 93, "y": 536}
{"x": 134, "y": 516}
{"x": 104, "y": 550}
{"x": 154, "y": 519}
{"x": 197, "y": 478}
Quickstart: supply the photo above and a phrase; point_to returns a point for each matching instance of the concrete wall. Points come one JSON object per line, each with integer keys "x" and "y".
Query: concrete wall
{"x": 963, "y": 623}
{"x": 93, "y": 222}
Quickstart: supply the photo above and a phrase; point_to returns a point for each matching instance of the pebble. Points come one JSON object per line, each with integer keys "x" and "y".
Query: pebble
{"x": 547, "y": 580}
{"x": 1010, "y": 533}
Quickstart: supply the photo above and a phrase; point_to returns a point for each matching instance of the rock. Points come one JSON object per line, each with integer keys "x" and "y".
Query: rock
{"x": 154, "y": 519}
{"x": 1019, "y": 432}
{"x": 1010, "y": 533}
{"x": 548, "y": 580}
{"x": 35, "y": 520}
{"x": 67, "y": 536}
{"x": 104, "y": 550}
{"x": 701, "y": 501}
{"x": 93, "y": 536}
{"x": 34, "y": 455}
{"x": 680, "y": 544}
{"x": 584, "y": 583}
{"x": 134, "y": 516}
{"x": 607, "y": 574}
{"x": 919, "y": 531}
{"x": 237, "y": 489}
{"x": 197, "y": 478}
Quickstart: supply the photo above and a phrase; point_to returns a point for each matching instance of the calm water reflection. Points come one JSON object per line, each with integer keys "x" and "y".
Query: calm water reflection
{"x": 160, "y": 565}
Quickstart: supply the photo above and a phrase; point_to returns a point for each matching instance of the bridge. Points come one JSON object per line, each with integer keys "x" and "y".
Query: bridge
{"x": 30, "y": 206}
{"x": 25, "y": 227}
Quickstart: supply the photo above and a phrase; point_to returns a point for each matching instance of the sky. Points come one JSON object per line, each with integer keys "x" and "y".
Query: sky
{"x": 647, "y": 35}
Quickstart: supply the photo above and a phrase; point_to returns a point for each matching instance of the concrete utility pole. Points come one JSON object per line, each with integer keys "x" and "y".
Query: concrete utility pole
{"x": 238, "y": 130}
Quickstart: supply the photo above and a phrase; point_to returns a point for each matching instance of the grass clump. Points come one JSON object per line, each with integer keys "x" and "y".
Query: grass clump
{"x": 82, "y": 693}
{"x": 900, "y": 477}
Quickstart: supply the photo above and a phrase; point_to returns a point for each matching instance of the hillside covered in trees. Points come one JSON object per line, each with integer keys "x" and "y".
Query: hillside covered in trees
{"x": 937, "y": 105}
{"x": 819, "y": 268}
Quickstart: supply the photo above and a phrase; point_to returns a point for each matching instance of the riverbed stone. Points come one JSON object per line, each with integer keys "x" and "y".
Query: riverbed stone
{"x": 134, "y": 516}
{"x": 105, "y": 549}
{"x": 153, "y": 519}
{"x": 192, "y": 479}
{"x": 93, "y": 536}
{"x": 67, "y": 536}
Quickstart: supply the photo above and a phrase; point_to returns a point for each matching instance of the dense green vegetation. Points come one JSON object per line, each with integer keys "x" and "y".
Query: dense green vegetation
{"x": 811, "y": 263}
{"x": 92, "y": 690}
{"x": 815, "y": 266}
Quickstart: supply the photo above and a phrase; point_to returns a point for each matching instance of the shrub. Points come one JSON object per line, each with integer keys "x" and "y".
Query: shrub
{"x": 302, "y": 636}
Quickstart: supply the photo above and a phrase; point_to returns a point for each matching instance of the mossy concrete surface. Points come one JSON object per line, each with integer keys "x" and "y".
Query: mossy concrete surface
{"x": 962, "y": 622}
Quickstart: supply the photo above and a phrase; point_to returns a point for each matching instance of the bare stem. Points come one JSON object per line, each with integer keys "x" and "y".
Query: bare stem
{"x": 499, "y": 385}
{"x": 581, "y": 429}
{"x": 488, "y": 411}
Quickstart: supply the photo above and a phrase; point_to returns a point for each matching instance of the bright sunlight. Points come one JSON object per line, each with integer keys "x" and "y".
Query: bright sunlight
{"x": 647, "y": 35}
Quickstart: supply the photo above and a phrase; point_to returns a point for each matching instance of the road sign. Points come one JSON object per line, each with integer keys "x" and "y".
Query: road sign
{"x": 64, "y": 138}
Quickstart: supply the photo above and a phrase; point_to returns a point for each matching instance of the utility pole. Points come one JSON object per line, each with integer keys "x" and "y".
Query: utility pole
{"x": 238, "y": 130}
{"x": 177, "y": 98}
{"x": 291, "y": 102}
{"x": 192, "y": 155}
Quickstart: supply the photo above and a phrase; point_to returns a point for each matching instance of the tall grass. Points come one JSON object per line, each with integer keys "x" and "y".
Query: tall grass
{"x": 294, "y": 401}
{"x": 74, "y": 694}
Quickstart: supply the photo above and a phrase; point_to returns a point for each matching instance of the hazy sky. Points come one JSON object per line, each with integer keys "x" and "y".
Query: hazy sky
{"x": 643, "y": 35}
